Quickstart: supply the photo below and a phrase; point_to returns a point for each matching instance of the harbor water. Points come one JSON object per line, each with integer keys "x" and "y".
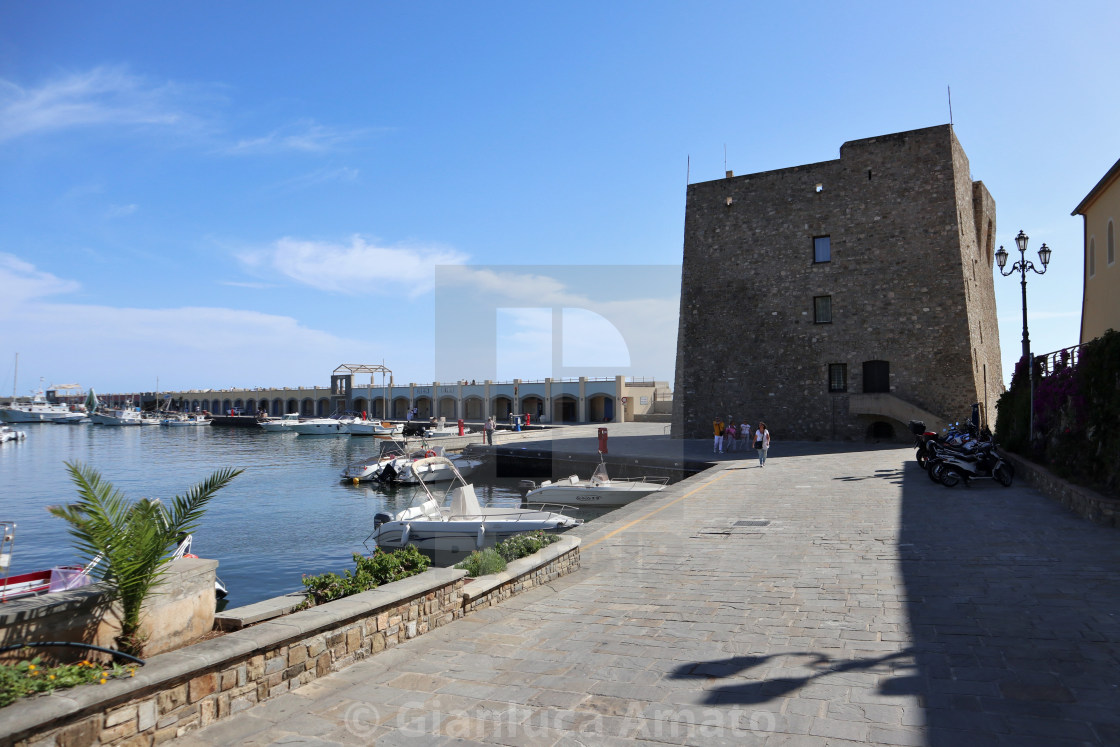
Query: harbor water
{"x": 287, "y": 515}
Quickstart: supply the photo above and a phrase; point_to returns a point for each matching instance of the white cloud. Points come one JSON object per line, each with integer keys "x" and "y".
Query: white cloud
{"x": 304, "y": 135}
{"x": 23, "y": 283}
{"x": 319, "y": 176}
{"x": 127, "y": 348}
{"x": 103, "y": 96}
{"x": 120, "y": 211}
{"x": 359, "y": 267}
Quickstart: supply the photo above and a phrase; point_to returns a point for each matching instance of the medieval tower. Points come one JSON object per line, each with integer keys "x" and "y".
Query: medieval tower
{"x": 841, "y": 299}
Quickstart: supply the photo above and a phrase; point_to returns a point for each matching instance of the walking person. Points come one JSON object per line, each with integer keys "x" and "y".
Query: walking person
{"x": 488, "y": 430}
{"x": 717, "y": 429}
{"x": 761, "y": 443}
{"x": 744, "y": 437}
{"x": 729, "y": 436}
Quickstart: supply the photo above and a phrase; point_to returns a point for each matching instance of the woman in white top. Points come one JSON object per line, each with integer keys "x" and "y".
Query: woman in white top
{"x": 761, "y": 443}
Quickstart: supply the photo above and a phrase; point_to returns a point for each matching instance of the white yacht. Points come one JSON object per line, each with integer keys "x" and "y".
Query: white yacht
{"x": 452, "y": 525}
{"x": 184, "y": 419}
{"x": 599, "y": 490}
{"x": 281, "y": 424}
{"x": 322, "y": 427}
{"x": 375, "y": 428}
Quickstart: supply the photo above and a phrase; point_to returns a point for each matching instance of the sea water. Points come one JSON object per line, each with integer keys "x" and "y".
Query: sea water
{"x": 287, "y": 515}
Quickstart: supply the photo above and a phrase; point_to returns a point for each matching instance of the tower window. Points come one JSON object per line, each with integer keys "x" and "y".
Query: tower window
{"x": 837, "y": 377}
{"x": 822, "y": 309}
{"x": 822, "y": 249}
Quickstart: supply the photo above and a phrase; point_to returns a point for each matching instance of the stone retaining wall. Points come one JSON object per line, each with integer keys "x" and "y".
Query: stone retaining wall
{"x": 180, "y": 691}
{"x": 549, "y": 563}
{"x": 1084, "y": 502}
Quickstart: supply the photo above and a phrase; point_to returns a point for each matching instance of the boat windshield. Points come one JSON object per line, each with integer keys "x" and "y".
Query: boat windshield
{"x": 600, "y": 476}
{"x": 389, "y": 448}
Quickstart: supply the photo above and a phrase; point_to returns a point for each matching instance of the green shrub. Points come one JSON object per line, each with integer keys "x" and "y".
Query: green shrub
{"x": 29, "y": 677}
{"x": 369, "y": 573}
{"x": 483, "y": 563}
{"x": 523, "y": 545}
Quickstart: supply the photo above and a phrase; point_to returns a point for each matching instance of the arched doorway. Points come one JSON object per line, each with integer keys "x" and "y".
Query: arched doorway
{"x": 534, "y": 406}
{"x": 361, "y": 404}
{"x": 565, "y": 409}
{"x": 324, "y": 407}
{"x": 472, "y": 408}
{"x": 423, "y": 407}
{"x": 447, "y": 407}
{"x": 600, "y": 408}
{"x": 502, "y": 407}
{"x": 400, "y": 408}
{"x": 307, "y": 408}
{"x": 293, "y": 405}
{"x": 880, "y": 431}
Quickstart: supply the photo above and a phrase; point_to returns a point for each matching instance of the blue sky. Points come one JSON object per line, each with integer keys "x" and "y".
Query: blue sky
{"x": 244, "y": 194}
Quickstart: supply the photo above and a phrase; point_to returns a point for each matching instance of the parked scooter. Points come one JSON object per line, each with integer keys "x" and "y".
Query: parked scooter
{"x": 973, "y": 460}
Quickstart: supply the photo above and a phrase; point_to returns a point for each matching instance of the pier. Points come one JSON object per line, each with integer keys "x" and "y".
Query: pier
{"x": 836, "y": 596}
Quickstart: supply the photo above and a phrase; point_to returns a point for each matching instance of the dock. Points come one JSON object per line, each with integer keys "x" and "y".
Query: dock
{"x": 835, "y": 596}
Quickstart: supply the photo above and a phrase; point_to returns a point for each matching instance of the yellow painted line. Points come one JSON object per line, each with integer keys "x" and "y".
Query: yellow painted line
{"x": 673, "y": 502}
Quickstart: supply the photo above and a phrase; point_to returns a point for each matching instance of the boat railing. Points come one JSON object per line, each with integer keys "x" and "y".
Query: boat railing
{"x": 515, "y": 514}
{"x": 648, "y": 478}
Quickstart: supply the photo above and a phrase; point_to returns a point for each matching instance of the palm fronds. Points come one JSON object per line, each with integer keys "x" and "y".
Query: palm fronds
{"x": 136, "y": 539}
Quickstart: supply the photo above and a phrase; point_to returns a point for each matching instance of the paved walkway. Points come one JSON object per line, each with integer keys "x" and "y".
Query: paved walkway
{"x": 827, "y": 599}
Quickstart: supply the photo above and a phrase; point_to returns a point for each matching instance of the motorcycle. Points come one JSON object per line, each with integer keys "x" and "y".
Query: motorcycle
{"x": 975, "y": 460}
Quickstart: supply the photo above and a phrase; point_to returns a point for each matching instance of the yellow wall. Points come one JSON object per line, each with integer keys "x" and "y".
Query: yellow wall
{"x": 1100, "y": 309}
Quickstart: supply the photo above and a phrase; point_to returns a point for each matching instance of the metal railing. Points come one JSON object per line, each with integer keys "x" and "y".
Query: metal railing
{"x": 1053, "y": 362}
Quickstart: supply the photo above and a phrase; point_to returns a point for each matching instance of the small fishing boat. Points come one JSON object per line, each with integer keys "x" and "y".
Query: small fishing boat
{"x": 370, "y": 469}
{"x": 8, "y": 433}
{"x": 451, "y": 526}
{"x": 66, "y": 577}
{"x": 599, "y": 490}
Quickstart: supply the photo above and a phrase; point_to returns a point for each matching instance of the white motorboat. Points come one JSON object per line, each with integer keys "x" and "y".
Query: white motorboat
{"x": 370, "y": 469}
{"x": 600, "y": 490}
{"x": 440, "y": 429}
{"x": 322, "y": 427}
{"x": 179, "y": 420}
{"x": 8, "y": 433}
{"x": 281, "y": 424}
{"x": 404, "y": 471}
{"x": 375, "y": 428}
{"x": 120, "y": 416}
{"x": 453, "y": 525}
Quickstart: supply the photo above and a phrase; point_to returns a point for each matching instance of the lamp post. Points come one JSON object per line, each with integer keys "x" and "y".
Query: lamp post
{"x": 1021, "y": 267}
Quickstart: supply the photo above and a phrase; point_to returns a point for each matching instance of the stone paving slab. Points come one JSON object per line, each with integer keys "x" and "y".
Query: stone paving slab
{"x": 861, "y": 604}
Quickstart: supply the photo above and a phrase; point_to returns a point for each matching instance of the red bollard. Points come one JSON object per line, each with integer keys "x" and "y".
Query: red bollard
{"x": 602, "y": 440}
{"x": 460, "y": 426}
{"x": 528, "y": 419}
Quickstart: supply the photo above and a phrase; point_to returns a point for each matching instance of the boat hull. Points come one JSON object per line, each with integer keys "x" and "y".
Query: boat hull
{"x": 586, "y": 495}
{"x": 449, "y": 542}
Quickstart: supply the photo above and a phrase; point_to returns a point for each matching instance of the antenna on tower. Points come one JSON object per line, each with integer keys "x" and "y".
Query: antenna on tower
{"x": 688, "y": 170}
{"x": 949, "y": 91}
{"x": 725, "y": 157}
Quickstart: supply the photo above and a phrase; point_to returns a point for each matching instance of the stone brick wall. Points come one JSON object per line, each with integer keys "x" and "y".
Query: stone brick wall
{"x": 559, "y": 559}
{"x": 187, "y": 689}
{"x": 184, "y": 690}
{"x": 903, "y": 218}
{"x": 1084, "y": 502}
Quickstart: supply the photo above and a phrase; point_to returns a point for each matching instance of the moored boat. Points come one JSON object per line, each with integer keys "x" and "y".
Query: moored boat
{"x": 599, "y": 490}
{"x": 450, "y": 527}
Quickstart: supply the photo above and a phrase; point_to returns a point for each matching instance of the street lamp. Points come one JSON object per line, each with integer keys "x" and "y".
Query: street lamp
{"x": 1021, "y": 267}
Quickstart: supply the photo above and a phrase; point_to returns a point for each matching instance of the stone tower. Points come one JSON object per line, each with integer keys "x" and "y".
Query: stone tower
{"x": 839, "y": 300}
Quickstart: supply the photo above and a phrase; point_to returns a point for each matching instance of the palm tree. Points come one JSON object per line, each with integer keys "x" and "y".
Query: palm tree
{"x": 135, "y": 539}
